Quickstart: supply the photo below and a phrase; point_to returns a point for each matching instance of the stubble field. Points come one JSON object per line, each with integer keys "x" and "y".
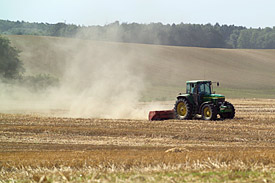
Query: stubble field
{"x": 37, "y": 148}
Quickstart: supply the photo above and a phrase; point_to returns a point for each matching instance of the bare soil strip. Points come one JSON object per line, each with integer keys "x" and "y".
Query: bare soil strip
{"x": 246, "y": 142}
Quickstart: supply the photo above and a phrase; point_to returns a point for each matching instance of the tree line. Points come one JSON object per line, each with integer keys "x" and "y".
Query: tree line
{"x": 194, "y": 35}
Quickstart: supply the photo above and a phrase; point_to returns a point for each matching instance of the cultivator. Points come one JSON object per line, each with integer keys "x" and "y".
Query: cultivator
{"x": 161, "y": 115}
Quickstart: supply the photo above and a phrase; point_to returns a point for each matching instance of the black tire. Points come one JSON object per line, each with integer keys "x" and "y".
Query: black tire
{"x": 209, "y": 112}
{"x": 229, "y": 115}
{"x": 183, "y": 109}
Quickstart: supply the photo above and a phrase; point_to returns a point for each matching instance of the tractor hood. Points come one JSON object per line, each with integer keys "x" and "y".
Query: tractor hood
{"x": 217, "y": 95}
{"x": 214, "y": 96}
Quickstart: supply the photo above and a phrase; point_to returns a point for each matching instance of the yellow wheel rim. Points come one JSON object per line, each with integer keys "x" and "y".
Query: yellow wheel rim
{"x": 181, "y": 109}
{"x": 207, "y": 112}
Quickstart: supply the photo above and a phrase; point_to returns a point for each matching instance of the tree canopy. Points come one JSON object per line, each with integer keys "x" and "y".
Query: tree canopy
{"x": 196, "y": 35}
{"x": 10, "y": 65}
{"x": 12, "y": 70}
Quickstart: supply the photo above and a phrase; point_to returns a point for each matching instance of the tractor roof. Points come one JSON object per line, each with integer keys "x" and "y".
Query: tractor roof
{"x": 198, "y": 81}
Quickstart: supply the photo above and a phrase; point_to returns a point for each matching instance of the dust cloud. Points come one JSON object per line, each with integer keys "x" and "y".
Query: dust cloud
{"x": 101, "y": 85}
{"x": 96, "y": 80}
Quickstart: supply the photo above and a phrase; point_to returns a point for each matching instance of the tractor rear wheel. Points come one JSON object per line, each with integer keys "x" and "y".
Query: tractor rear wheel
{"x": 209, "y": 112}
{"x": 229, "y": 115}
{"x": 183, "y": 109}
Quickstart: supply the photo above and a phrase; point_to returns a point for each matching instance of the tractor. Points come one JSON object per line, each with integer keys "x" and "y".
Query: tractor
{"x": 200, "y": 100}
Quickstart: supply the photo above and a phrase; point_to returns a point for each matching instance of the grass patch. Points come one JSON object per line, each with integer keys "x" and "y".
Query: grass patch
{"x": 168, "y": 93}
{"x": 247, "y": 93}
{"x": 161, "y": 93}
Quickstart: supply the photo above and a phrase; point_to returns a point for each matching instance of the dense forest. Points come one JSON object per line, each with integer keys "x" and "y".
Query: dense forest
{"x": 195, "y": 35}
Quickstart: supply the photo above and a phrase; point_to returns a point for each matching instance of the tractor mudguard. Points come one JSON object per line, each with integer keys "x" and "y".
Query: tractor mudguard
{"x": 226, "y": 107}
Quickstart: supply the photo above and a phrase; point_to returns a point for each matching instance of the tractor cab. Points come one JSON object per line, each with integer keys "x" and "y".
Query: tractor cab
{"x": 198, "y": 87}
{"x": 199, "y": 90}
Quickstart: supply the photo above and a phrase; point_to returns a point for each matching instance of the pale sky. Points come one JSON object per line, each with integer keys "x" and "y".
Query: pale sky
{"x": 249, "y": 13}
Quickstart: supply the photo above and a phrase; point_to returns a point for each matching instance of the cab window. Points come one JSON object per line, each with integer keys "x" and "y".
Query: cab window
{"x": 205, "y": 88}
{"x": 193, "y": 86}
{"x": 190, "y": 88}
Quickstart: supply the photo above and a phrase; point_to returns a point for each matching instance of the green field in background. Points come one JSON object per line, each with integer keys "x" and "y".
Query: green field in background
{"x": 166, "y": 93}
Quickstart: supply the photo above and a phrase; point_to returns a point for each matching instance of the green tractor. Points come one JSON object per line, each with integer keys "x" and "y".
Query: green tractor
{"x": 200, "y": 100}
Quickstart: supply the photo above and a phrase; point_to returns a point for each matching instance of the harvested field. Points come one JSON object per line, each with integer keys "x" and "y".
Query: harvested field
{"x": 39, "y": 148}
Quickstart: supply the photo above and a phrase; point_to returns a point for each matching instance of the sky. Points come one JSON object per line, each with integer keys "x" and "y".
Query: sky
{"x": 248, "y": 13}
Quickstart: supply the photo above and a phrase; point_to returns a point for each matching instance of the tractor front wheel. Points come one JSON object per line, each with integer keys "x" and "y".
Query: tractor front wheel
{"x": 209, "y": 112}
{"x": 183, "y": 109}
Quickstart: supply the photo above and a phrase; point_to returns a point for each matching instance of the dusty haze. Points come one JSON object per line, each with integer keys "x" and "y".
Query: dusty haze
{"x": 96, "y": 80}
{"x": 108, "y": 80}
{"x": 100, "y": 83}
